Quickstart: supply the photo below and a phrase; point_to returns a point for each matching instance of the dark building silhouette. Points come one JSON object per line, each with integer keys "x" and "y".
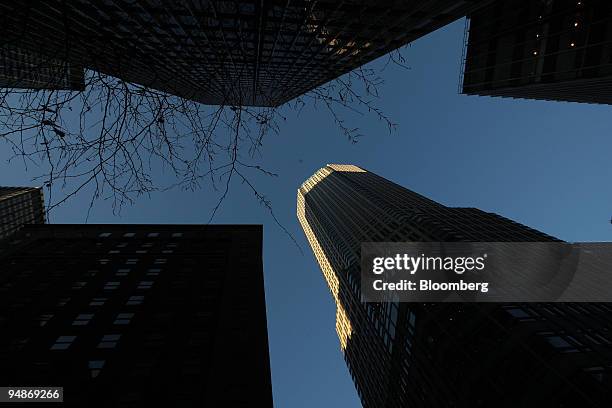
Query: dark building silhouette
{"x": 554, "y": 50}
{"x": 21, "y": 68}
{"x": 20, "y": 206}
{"x": 245, "y": 52}
{"x": 136, "y": 315}
{"x": 446, "y": 354}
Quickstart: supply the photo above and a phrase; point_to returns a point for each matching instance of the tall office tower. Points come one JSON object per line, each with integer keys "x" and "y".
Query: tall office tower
{"x": 446, "y": 354}
{"x": 248, "y": 52}
{"x": 20, "y": 206}
{"x": 136, "y": 315}
{"x": 554, "y": 50}
{"x": 20, "y": 68}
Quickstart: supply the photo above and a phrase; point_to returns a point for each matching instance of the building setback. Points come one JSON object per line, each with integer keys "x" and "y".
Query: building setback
{"x": 20, "y": 206}
{"x": 553, "y": 50}
{"x": 136, "y": 315}
{"x": 446, "y": 354}
{"x": 244, "y": 52}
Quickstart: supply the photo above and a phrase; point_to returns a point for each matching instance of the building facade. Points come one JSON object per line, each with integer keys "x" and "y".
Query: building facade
{"x": 553, "y": 50}
{"x": 136, "y": 315}
{"x": 244, "y": 52}
{"x": 20, "y": 206}
{"x": 446, "y": 354}
{"x": 25, "y": 69}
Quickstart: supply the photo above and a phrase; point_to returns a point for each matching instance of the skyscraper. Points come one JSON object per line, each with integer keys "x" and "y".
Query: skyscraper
{"x": 20, "y": 206}
{"x": 245, "y": 52}
{"x": 446, "y": 354}
{"x": 21, "y": 68}
{"x": 554, "y": 50}
{"x": 136, "y": 315}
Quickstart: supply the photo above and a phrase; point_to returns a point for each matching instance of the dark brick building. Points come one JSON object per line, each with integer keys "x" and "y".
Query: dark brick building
{"x": 136, "y": 315}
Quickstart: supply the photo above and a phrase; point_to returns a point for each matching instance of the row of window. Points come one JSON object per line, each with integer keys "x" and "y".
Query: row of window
{"x": 133, "y": 234}
{"x": 107, "y": 341}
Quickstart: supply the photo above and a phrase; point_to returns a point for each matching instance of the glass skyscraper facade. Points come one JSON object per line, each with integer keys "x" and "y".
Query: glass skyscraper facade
{"x": 247, "y": 52}
{"x": 553, "y": 50}
{"x": 446, "y": 354}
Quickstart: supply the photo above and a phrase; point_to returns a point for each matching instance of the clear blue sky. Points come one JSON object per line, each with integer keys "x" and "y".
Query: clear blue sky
{"x": 545, "y": 164}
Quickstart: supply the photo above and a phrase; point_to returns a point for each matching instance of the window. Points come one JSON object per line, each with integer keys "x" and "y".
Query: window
{"x": 109, "y": 341}
{"x": 82, "y": 320}
{"x": 177, "y": 234}
{"x": 558, "y": 342}
{"x": 63, "y": 342}
{"x": 167, "y": 251}
{"x": 122, "y": 272}
{"x": 518, "y": 313}
{"x": 62, "y": 302}
{"x": 95, "y": 366}
{"x": 105, "y": 235}
{"x": 160, "y": 261}
{"x": 114, "y": 251}
{"x": 124, "y": 318}
{"x": 141, "y": 251}
{"x": 122, "y": 245}
{"x": 155, "y": 340}
{"x": 103, "y": 261}
{"x": 111, "y": 285}
{"x": 153, "y": 234}
{"x": 563, "y": 343}
{"x": 78, "y": 285}
{"x": 145, "y": 285}
{"x": 153, "y": 272}
{"x": 131, "y": 261}
{"x": 44, "y": 319}
{"x": 147, "y": 245}
{"x": 129, "y": 235}
{"x": 99, "y": 301}
{"x": 135, "y": 300}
